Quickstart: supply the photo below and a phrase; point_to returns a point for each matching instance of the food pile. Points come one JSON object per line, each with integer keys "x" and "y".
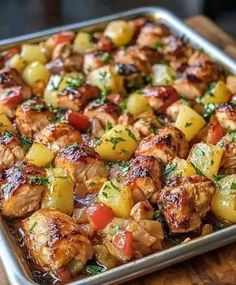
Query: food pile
{"x": 114, "y": 145}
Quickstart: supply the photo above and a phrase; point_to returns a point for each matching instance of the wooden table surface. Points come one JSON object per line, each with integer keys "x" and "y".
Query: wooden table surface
{"x": 216, "y": 267}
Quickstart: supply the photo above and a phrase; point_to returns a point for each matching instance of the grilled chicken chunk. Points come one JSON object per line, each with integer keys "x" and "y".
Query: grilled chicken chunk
{"x": 142, "y": 210}
{"x": 21, "y": 190}
{"x": 168, "y": 143}
{"x": 226, "y": 115}
{"x": 143, "y": 178}
{"x": 54, "y": 240}
{"x": 32, "y": 116}
{"x": 58, "y": 136}
{"x": 228, "y": 160}
{"x": 82, "y": 162}
{"x": 12, "y": 91}
{"x": 77, "y": 99}
{"x": 231, "y": 83}
{"x": 152, "y": 34}
{"x": 172, "y": 111}
{"x": 185, "y": 202}
{"x": 140, "y": 59}
{"x": 94, "y": 60}
{"x": 10, "y": 150}
{"x": 105, "y": 113}
{"x": 160, "y": 97}
{"x": 146, "y": 123}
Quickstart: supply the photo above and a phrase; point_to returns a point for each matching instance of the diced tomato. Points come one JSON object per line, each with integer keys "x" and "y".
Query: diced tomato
{"x": 12, "y": 96}
{"x": 166, "y": 94}
{"x": 60, "y": 38}
{"x": 77, "y": 120}
{"x": 99, "y": 215}
{"x": 115, "y": 98}
{"x": 215, "y": 131}
{"x": 123, "y": 241}
{"x": 9, "y": 53}
{"x": 104, "y": 44}
{"x": 63, "y": 275}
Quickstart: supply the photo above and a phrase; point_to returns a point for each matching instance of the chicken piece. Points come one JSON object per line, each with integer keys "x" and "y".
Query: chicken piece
{"x": 160, "y": 97}
{"x": 172, "y": 111}
{"x": 146, "y": 123}
{"x": 151, "y": 34}
{"x": 185, "y": 202}
{"x": 231, "y": 83}
{"x": 226, "y": 116}
{"x": 32, "y": 116}
{"x": 58, "y": 135}
{"x": 142, "y": 210}
{"x": 165, "y": 145}
{"x": 61, "y": 51}
{"x": 138, "y": 59}
{"x": 10, "y": 150}
{"x": 143, "y": 178}
{"x": 82, "y": 163}
{"x": 189, "y": 86}
{"x": 12, "y": 91}
{"x": 202, "y": 66}
{"x": 125, "y": 118}
{"x": 54, "y": 240}
{"x": 77, "y": 99}
{"x": 106, "y": 112}
{"x": 228, "y": 160}
{"x": 21, "y": 190}
{"x": 94, "y": 60}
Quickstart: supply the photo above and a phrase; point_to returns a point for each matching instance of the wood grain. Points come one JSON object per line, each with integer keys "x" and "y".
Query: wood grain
{"x": 214, "y": 268}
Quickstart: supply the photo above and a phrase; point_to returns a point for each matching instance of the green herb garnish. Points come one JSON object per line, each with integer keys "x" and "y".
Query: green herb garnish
{"x": 38, "y": 180}
{"x": 26, "y": 143}
{"x": 94, "y": 269}
{"x": 106, "y": 57}
{"x": 115, "y": 141}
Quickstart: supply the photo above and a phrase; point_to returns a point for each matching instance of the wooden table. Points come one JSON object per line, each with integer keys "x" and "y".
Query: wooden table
{"x": 216, "y": 267}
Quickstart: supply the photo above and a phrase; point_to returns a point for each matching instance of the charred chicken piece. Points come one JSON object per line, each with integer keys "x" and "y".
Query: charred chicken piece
{"x": 185, "y": 202}
{"x": 58, "y": 136}
{"x": 160, "y": 97}
{"x": 10, "y": 150}
{"x": 32, "y": 116}
{"x": 151, "y": 34}
{"x": 146, "y": 123}
{"x": 228, "y": 160}
{"x": 77, "y": 99}
{"x": 143, "y": 178}
{"x": 189, "y": 86}
{"x": 226, "y": 115}
{"x": 105, "y": 112}
{"x": 82, "y": 163}
{"x": 22, "y": 187}
{"x": 12, "y": 91}
{"x": 54, "y": 241}
{"x": 168, "y": 143}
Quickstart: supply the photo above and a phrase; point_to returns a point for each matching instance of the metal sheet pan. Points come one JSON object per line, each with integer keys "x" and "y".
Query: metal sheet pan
{"x": 12, "y": 258}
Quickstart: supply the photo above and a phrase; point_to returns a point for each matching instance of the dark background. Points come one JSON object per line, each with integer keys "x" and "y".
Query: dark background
{"x": 19, "y": 17}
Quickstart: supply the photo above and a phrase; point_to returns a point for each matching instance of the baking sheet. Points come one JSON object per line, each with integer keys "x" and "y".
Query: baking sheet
{"x": 12, "y": 258}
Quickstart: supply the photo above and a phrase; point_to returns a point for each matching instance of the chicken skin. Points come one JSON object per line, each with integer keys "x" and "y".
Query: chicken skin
{"x": 165, "y": 145}
{"x": 185, "y": 201}
{"x": 10, "y": 150}
{"x": 82, "y": 162}
{"x": 58, "y": 136}
{"x": 22, "y": 187}
{"x": 12, "y": 91}
{"x": 32, "y": 116}
{"x": 54, "y": 240}
{"x": 226, "y": 115}
{"x": 143, "y": 178}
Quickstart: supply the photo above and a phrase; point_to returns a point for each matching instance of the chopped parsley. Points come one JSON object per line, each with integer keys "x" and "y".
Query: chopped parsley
{"x": 33, "y": 226}
{"x": 106, "y": 57}
{"x": 93, "y": 269}
{"x": 134, "y": 84}
{"x": 130, "y": 134}
{"x": 159, "y": 46}
{"x": 74, "y": 81}
{"x": 175, "y": 240}
{"x": 211, "y": 89}
{"x": 38, "y": 180}
{"x": 208, "y": 110}
{"x": 170, "y": 168}
{"x": 154, "y": 129}
{"x": 158, "y": 216}
{"x": 103, "y": 77}
{"x": 108, "y": 126}
{"x": 147, "y": 80}
{"x": 115, "y": 141}
{"x": 233, "y": 186}
{"x": 188, "y": 124}
{"x": 39, "y": 107}
{"x": 124, "y": 105}
{"x": 26, "y": 143}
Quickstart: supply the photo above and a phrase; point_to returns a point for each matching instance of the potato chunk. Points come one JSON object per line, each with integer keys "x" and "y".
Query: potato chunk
{"x": 39, "y": 155}
{"x": 32, "y": 52}
{"x": 117, "y": 144}
{"x": 59, "y": 194}
{"x": 116, "y": 196}
{"x": 206, "y": 158}
{"x": 83, "y": 42}
{"x": 5, "y": 124}
{"x": 34, "y": 72}
{"x": 137, "y": 104}
{"x": 189, "y": 121}
{"x": 216, "y": 93}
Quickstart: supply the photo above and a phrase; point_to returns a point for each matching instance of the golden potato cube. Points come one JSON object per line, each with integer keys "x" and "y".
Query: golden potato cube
{"x": 51, "y": 91}
{"x": 16, "y": 62}
{"x": 32, "y": 52}
{"x": 35, "y": 72}
{"x": 137, "y": 104}
{"x": 217, "y": 93}
{"x": 83, "y": 42}
{"x": 5, "y": 124}
{"x": 189, "y": 122}
{"x": 39, "y": 154}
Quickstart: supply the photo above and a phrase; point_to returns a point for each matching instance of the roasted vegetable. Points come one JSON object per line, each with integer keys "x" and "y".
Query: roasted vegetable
{"x": 163, "y": 74}
{"x": 5, "y": 123}
{"x": 59, "y": 194}
{"x": 34, "y": 72}
{"x": 32, "y": 52}
{"x": 119, "y": 143}
{"x": 216, "y": 93}
{"x": 83, "y": 42}
{"x": 39, "y": 154}
{"x": 137, "y": 104}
